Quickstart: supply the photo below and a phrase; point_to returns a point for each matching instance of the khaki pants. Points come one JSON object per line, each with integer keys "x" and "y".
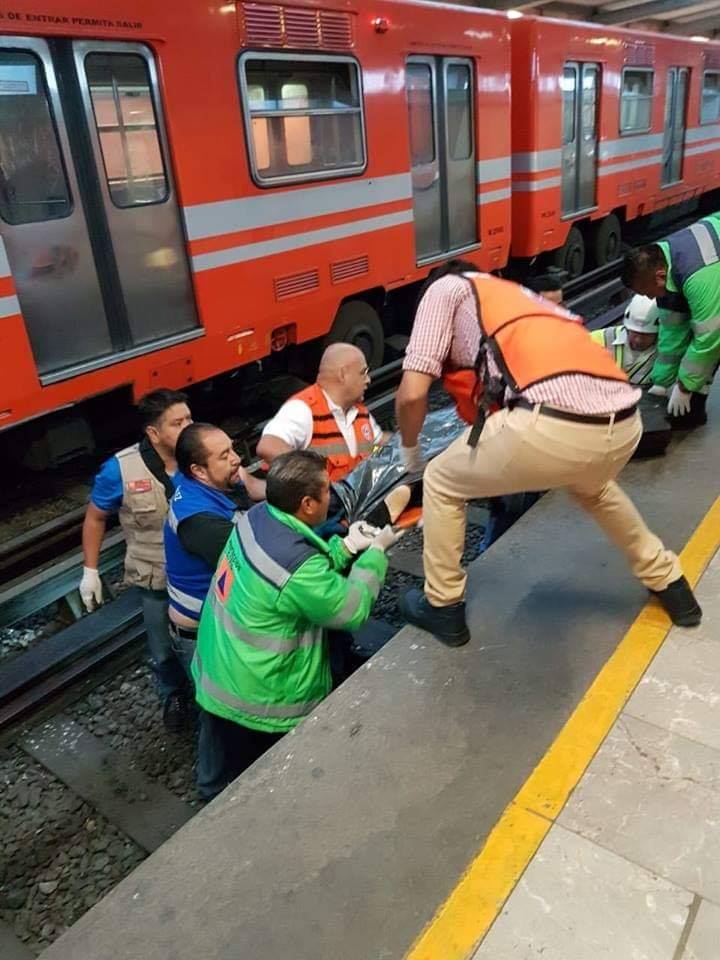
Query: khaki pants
{"x": 521, "y": 450}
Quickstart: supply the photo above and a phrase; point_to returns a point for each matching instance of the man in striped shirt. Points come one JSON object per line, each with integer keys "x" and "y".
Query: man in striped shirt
{"x": 572, "y": 429}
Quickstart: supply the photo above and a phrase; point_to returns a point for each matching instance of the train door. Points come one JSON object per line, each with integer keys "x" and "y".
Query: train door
{"x": 442, "y": 154}
{"x": 674, "y": 130}
{"x": 87, "y": 207}
{"x": 579, "y": 85}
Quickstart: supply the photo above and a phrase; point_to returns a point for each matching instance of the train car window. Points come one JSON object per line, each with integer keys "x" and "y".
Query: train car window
{"x": 119, "y": 85}
{"x": 458, "y": 84}
{"x": 710, "y": 108}
{"x": 636, "y": 100}
{"x": 304, "y": 116}
{"x": 33, "y": 185}
{"x": 420, "y": 112}
{"x": 568, "y": 87}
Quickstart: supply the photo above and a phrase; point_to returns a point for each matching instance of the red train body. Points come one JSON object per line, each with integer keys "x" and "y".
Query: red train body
{"x": 187, "y": 188}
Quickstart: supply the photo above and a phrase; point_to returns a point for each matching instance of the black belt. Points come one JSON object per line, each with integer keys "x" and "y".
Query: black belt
{"x": 601, "y": 418}
{"x": 184, "y": 633}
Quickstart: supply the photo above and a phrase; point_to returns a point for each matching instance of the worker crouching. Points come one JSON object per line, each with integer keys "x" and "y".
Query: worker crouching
{"x": 567, "y": 418}
{"x": 262, "y": 661}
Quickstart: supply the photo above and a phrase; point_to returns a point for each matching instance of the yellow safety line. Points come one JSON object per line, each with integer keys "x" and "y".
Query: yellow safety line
{"x": 468, "y": 913}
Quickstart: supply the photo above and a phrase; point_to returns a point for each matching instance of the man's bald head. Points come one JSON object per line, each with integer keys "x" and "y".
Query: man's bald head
{"x": 344, "y": 374}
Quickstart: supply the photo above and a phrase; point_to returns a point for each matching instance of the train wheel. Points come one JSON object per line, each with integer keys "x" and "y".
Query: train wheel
{"x": 357, "y": 322}
{"x": 570, "y": 257}
{"x": 607, "y": 240}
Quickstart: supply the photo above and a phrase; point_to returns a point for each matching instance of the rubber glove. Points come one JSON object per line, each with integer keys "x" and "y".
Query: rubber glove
{"x": 359, "y": 537}
{"x": 657, "y": 391}
{"x": 386, "y": 538}
{"x": 679, "y": 403}
{"x": 412, "y": 458}
{"x": 91, "y": 589}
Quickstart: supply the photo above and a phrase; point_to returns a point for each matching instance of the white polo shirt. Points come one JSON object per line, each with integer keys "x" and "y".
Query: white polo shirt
{"x": 293, "y": 423}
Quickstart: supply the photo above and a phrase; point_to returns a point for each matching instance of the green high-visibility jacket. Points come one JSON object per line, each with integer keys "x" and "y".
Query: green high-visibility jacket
{"x": 689, "y": 340}
{"x": 261, "y": 658}
{"x": 637, "y": 364}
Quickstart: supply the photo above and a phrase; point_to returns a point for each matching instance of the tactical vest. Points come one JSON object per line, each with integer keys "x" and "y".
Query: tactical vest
{"x": 142, "y": 514}
{"x": 327, "y": 439}
{"x": 261, "y": 658}
{"x": 189, "y": 576}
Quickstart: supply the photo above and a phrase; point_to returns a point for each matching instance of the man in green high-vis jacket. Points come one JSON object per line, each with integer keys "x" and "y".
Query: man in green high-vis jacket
{"x": 683, "y": 273}
{"x": 262, "y": 660}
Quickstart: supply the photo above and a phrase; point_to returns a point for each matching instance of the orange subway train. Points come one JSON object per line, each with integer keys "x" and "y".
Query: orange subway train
{"x": 188, "y": 189}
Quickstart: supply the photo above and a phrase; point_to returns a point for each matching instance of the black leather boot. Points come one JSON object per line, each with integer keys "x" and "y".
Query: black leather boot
{"x": 447, "y": 624}
{"x": 680, "y": 603}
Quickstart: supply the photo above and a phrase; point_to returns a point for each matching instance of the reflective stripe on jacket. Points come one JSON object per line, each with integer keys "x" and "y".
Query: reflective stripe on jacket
{"x": 142, "y": 514}
{"x": 262, "y": 658}
{"x": 327, "y": 438}
{"x": 689, "y": 340}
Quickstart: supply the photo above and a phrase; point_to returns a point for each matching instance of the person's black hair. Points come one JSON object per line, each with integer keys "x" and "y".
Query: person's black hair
{"x": 190, "y": 447}
{"x": 544, "y": 283}
{"x": 293, "y": 476}
{"x": 450, "y": 267}
{"x": 153, "y": 405}
{"x": 642, "y": 262}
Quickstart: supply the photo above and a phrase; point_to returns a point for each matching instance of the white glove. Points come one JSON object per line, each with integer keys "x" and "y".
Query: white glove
{"x": 386, "y": 538}
{"x": 679, "y": 402}
{"x": 657, "y": 391}
{"x": 412, "y": 458}
{"x": 91, "y": 588}
{"x": 359, "y": 537}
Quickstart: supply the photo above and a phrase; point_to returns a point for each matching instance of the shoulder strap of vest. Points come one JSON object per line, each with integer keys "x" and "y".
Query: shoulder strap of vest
{"x": 490, "y": 394}
{"x": 153, "y": 461}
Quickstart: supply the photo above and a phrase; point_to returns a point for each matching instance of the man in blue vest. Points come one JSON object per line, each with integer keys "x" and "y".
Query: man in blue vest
{"x": 211, "y": 488}
{"x": 683, "y": 273}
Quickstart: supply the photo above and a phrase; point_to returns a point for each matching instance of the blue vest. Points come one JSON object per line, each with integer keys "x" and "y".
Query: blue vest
{"x": 188, "y": 576}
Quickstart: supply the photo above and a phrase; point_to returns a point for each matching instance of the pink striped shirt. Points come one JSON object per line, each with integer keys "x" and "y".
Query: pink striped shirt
{"x": 446, "y": 333}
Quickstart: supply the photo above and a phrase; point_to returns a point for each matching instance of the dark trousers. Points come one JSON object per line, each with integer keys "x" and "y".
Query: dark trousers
{"x": 168, "y": 670}
{"x": 240, "y": 748}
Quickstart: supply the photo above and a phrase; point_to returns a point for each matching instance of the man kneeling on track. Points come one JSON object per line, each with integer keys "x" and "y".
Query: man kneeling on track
{"x": 564, "y": 416}
{"x": 331, "y": 418}
{"x": 136, "y": 484}
{"x": 262, "y": 661}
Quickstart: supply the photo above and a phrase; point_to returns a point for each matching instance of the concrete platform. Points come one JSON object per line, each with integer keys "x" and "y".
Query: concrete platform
{"x": 631, "y": 867}
{"x": 343, "y": 841}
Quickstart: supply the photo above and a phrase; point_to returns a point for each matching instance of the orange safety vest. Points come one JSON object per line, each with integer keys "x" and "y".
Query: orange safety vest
{"x": 327, "y": 438}
{"x": 531, "y": 341}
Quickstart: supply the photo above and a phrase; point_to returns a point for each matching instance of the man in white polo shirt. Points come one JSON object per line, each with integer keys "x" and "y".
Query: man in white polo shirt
{"x": 328, "y": 416}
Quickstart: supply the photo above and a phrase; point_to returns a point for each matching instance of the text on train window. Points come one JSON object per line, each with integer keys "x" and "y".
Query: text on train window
{"x": 119, "y": 85}
{"x": 304, "y": 117}
{"x": 710, "y": 108}
{"x": 33, "y": 186}
{"x": 636, "y": 100}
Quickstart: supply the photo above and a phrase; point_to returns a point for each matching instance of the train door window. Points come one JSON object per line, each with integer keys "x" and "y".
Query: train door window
{"x": 303, "y": 117}
{"x": 33, "y": 183}
{"x": 580, "y": 90}
{"x": 710, "y": 106}
{"x": 636, "y": 100}
{"x": 674, "y": 127}
{"x": 439, "y": 93}
{"x": 119, "y": 86}
{"x": 140, "y": 232}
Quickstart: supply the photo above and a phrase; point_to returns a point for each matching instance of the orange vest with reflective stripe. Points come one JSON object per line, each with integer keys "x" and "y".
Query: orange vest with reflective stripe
{"x": 532, "y": 340}
{"x": 327, "y": 438}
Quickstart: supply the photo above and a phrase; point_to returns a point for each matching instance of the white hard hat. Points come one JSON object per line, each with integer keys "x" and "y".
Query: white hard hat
{"x": 641, "y": 315}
